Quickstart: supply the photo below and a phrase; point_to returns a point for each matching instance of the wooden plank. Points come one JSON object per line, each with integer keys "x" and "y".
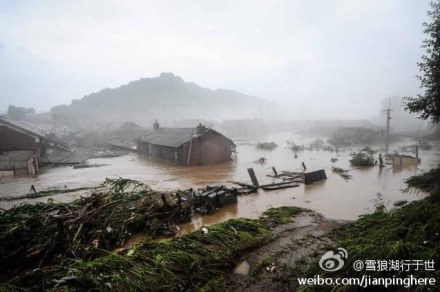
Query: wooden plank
{"x": 246, "y": 191}
{"x": 241, "y": 184}
{"x": 253, "y": 177}
{"x": 280, "y": 186}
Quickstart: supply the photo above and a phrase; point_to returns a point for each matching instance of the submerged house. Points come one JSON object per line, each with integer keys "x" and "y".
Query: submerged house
{"x": 21, "y": 135}
{"x": 25, "y": 146}
{"x": 187, "y": 146}
{"x": 21, "y": 146}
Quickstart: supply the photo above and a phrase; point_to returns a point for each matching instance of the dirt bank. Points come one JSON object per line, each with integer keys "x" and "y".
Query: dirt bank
{"x": 276, "y": 265}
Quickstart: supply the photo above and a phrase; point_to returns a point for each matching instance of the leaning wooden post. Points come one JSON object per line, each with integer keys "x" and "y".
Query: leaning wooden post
{"x": 253, "y": 177}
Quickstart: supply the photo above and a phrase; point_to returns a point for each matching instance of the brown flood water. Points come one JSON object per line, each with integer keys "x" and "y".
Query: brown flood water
{"x": 335, "y": 198}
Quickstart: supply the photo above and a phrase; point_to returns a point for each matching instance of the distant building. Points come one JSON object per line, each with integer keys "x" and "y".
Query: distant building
{"x": 187, "y": 146}
{"x": 128, "y": 132}
{"x": 244, "y": 129}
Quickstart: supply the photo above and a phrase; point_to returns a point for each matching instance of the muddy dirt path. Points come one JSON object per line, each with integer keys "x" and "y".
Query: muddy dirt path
{"x": 277, "y": 265}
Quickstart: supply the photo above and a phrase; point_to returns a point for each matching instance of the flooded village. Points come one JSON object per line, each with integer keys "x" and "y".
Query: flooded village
{"x": 175, "y": 181}
{"x": 307, "y": 174}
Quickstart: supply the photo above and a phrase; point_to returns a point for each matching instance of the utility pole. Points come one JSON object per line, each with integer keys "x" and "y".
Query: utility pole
{"x": 388, "y": 110}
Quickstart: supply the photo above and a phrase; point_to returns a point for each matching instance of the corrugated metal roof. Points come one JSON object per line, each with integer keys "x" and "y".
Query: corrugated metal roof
{"x": 172, "y": 137}
{"x": 24, "y": 126}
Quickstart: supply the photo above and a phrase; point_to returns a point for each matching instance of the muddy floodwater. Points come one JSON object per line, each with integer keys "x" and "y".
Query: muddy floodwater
{"x": 335, "y": 198}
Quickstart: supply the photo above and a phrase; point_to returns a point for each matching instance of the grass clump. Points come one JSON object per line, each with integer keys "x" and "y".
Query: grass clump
{"x": 201, "y": 260}
{"x": 427, "y": 182}
{"x": 185, "y": 263}
{"x": 294, "y": 147}
{"x": 361, "y": 159}
{"x": 282, "y": 215}
{"x": 342, "y": 172}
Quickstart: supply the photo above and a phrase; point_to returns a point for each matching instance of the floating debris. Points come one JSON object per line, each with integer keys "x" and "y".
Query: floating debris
{"x": 314, "y": 176}
{"x": 261, "y": 160}
{"x": 342, "y": 172}
{"x": 208, "y": 199}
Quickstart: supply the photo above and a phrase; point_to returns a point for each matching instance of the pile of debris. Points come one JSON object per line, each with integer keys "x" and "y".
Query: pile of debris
{"x": 208, "y": 199}
{"x": 290, "y": 180}
{"x": 32, "y": 236}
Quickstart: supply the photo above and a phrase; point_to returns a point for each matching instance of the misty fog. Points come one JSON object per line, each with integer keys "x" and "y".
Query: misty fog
{"x": 303, "y": 60}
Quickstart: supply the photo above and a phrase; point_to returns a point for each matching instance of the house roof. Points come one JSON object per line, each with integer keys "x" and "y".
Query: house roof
{"x": 172, "y": 137}
{"x": 116, "y": 143}
{"x": 61, "y": 156}
{"x": 130, "y": 126}
{"x": 24, "y": 127}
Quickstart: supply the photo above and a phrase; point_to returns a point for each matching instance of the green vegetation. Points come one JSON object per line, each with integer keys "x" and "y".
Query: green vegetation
{"x": 199, "y": 260}
{"x": 410, "y": 231}
{"x": 184, "y": 263}
{"x": 266, "y": 145}
{"x": 361, "y": 159}
{"x": 282, "y": 215}
{"x": 428, "y": 182}
{"x": 427, "y": 104}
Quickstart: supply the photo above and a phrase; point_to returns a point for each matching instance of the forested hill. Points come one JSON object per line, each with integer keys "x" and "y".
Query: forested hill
{"x": 165, "y": 97}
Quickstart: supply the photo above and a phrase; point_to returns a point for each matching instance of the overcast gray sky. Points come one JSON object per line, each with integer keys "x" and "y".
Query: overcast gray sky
{"x": 332, "y": 58}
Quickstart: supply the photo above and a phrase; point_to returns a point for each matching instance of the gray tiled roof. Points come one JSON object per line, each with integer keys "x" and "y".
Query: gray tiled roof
{"x": 172, "y": 137}
{"x": 24, "y": 126}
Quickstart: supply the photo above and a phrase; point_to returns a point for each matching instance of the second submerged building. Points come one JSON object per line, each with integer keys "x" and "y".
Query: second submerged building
{"x": 187, "y": 146}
